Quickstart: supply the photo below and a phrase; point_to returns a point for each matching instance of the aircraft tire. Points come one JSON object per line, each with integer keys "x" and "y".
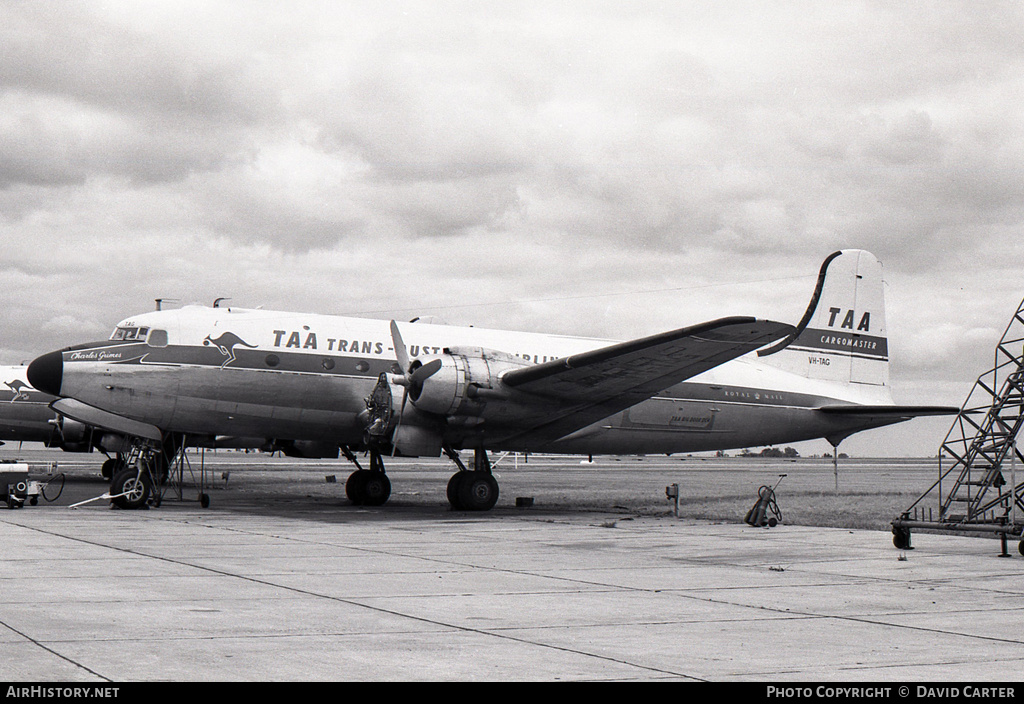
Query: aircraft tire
{"x": 453, "y": 490}
{"x": 135, "y": 485}
{"x": 109, "y": 468}
{"x": 376, "y": 489}
{"x": 478, "y": 491}
{"x": 354, "y": 486}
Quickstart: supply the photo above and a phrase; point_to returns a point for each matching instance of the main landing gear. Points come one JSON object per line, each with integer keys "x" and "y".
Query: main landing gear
{"x": 468, "y": 490}
{"x": 472, "y": 490}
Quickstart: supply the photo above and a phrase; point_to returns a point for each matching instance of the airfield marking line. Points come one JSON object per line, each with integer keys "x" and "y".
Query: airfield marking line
{"x": 350, "y": 602}
{"x": 673, "y": 592}
{"x": 610, "y": 588}
{"x": 497, "y": 631}
{"x": 50, "y": 650}
{"x": 858, "y": 619}
{"x": 788, "y": 614}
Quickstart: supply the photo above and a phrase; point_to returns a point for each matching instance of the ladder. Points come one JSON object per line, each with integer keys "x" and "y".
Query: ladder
{"x": 979, "y": 490}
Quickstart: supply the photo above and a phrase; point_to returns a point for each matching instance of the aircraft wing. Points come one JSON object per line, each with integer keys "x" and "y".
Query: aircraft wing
{"x": 592, "y": 385}
{"x": 90, "y": 415}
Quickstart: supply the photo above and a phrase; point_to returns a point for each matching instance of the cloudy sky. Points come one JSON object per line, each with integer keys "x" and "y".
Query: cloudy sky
{"x": 604, "y": 168}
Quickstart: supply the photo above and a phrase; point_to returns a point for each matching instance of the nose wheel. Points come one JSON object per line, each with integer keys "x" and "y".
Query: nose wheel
{"x": 131, "y": 488}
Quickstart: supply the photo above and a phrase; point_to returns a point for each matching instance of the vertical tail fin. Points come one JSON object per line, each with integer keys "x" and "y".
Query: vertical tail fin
{"x": 842, "y": 336}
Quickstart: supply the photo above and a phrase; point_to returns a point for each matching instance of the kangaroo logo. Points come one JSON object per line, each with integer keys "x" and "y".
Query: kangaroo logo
{"x": 226, "y": 343}
{"x": 18, "y": 387}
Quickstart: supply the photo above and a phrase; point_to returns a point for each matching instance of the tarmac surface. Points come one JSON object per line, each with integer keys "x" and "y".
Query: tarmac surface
{"x": 311, "y": 588}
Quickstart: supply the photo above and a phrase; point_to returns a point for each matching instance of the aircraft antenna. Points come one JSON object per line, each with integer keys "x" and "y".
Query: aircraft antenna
{"x": 160, "y": 302}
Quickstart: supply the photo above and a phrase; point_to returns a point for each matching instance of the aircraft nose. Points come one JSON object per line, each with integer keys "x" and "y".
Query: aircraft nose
{"x": 44, "y": 373}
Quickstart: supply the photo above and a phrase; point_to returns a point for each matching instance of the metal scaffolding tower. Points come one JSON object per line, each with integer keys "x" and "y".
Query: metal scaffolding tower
{"x": 980, "y": 491}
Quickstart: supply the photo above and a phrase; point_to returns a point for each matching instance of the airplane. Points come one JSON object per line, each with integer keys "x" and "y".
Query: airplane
{"x": 416, "y": 389}
{"x": 26, "y": 416}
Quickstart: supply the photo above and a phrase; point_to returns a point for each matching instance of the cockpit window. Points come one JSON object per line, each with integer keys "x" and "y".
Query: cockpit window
{"x": 126, "y": 333}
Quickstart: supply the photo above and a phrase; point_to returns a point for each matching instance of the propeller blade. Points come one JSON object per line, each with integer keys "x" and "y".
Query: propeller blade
{"x": 400, "y": 350}
{"x": 398, "y": 423}
{"x": 426, "y": 371}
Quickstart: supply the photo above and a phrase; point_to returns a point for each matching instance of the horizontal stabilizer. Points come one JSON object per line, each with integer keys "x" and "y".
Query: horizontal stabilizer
{"x": 891, "y": 411}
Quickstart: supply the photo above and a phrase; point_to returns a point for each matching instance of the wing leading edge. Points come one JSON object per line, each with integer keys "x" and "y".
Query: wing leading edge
{"x": 593, "y": 385}
{"x": 90, "y": 415}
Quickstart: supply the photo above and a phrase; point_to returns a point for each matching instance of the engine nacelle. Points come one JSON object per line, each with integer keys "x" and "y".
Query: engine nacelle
{"x": 454, "y": 388}
{"x": 309, "y": 449}
{"x": 70, "y": 435}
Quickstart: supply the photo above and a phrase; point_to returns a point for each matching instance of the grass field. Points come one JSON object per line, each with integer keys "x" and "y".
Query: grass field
{"x": 866, "y": 493}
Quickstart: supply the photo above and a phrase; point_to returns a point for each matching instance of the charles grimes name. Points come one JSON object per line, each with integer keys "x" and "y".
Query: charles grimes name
{"x": 94, "y": 356}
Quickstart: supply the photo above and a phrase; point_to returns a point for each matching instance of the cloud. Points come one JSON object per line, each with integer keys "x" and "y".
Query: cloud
{"x": 84, "y": 97}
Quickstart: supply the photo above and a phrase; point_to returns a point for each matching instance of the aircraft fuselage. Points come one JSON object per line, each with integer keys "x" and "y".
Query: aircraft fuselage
{"x": 207, "y": 371}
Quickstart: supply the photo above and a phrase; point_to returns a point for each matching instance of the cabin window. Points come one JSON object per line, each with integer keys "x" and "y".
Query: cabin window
{"x": 157, "y": 338}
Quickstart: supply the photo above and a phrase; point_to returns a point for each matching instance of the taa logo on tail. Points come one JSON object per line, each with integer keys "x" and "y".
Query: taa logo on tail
{"x": 848, "y": 318}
